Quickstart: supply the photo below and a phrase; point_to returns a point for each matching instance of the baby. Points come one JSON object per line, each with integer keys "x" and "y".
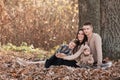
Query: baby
{"x": 86, "y": 58}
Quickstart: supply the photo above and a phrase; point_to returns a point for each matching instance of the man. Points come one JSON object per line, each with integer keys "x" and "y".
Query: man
{"x": 94, "y": 42}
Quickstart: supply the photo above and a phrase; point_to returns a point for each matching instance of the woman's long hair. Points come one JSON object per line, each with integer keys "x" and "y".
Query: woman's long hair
{"x": 78, "y": 44}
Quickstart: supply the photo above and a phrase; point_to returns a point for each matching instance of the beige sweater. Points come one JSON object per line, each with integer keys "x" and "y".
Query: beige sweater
{"x": 95, "y": 45}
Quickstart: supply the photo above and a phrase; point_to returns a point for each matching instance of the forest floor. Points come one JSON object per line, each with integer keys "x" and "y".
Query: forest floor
{"x": 11, "y": 70}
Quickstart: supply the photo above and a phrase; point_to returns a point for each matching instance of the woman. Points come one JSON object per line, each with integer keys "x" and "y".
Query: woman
{"x": 78, "y": 50}
{"x": 81, "y": 39}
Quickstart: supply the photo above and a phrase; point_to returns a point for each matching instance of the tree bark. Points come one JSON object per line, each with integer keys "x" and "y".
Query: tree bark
{"x": 105, "y": 16}
{"x": 89, "y": 11}
{"x": 110, "y": 27}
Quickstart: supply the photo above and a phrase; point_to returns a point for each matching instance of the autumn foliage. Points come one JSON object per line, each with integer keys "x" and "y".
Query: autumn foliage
{"x": 11, "y": 70}
{"x": 43, "y": 23}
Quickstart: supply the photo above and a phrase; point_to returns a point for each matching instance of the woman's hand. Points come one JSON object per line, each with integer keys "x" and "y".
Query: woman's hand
{"x": 60, "y": 55}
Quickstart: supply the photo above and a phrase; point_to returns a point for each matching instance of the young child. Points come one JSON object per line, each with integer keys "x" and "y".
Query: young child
{"x": 85, "y": 59}
{"x": 67, "y": 50}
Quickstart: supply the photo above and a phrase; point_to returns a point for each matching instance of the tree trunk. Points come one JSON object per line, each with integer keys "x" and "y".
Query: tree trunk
{"x": 89, "y": 10}
{"x": 110, "y": 27}
{"x": 105, "y": 16}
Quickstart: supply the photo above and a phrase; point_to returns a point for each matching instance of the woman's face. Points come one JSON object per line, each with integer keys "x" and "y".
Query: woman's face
{"x": 80, "y": 36}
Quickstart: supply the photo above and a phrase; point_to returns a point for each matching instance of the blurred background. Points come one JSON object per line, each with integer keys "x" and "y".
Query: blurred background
{"x": 42, "y": 23}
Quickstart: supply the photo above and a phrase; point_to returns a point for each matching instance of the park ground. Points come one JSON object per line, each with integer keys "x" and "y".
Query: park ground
{"x": 11, "y": 70}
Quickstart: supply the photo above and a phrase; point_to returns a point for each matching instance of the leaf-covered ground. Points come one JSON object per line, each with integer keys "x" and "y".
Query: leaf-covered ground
{"x": 11, "y": 70}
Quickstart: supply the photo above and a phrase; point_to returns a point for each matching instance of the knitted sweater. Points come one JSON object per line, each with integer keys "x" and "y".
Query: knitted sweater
{"x": 95, "y": 44}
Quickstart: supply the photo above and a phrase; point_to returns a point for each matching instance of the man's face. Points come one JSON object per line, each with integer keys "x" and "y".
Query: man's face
{"x": 87, "y": 29}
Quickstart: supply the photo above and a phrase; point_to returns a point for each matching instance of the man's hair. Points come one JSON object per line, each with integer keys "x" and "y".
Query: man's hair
{"x": 88, "y": 23}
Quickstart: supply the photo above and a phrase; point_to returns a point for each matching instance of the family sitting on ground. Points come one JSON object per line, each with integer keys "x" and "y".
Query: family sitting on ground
{"x": 84, "y": 51}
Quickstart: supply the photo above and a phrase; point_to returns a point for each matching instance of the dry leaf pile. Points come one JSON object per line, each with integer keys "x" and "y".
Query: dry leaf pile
{"x": 11, "y": 70}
